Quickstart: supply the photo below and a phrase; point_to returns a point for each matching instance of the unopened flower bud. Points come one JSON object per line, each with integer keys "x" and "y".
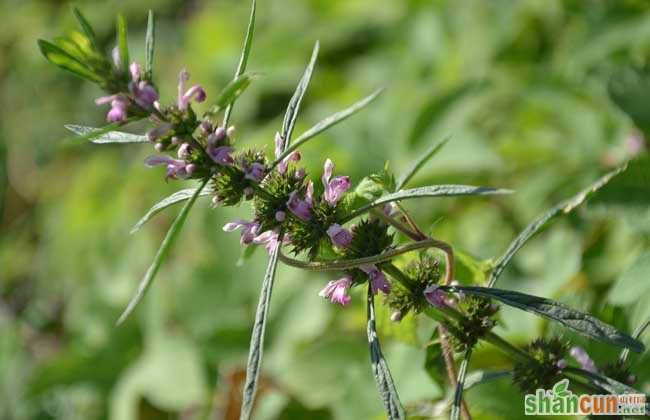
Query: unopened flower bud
{"x": 248, "y": 193}
{"x": 184, "y": 151}
{"x": 562, "y": 364}
{"x": 396, "y": 316}
{"x": 230, "y": 131}
{"x": 159, "y": 147}
{"x": 176, "y": 140}
{"x": 205, "y": 127}
{"x": 300, "y": 173}
{"x": 280, "y": 216}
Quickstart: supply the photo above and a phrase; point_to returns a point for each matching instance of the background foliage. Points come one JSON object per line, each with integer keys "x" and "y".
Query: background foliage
{"x": 539, "y": 96}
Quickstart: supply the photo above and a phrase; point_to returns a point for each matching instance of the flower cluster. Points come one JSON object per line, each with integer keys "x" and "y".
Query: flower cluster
{"x": 544, "y": 371}
{"x": 477, "y": 319}
{"x": 424, "y": 274}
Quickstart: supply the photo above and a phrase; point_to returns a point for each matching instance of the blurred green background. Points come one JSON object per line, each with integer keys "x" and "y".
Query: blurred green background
{"x": 539, "y": 96}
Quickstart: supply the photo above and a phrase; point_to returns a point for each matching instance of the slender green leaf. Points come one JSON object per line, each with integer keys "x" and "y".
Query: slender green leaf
{"x": 59, "y": 57}
{"x": 105, "y": 134}
{"x": 257, "y": 338}
{"x": 410, "y": 173}
{"x": 149, "y": 45}
{"x": 86, "y": 28}
{"x": 122, "y": 42}
{"x": 637, "y": 335}
{"x": 162, "y": 253}
{"x": 563, "y": 208}
{"x": 429, "y": 191}
{"x": 456, "y": 407}
{"x": 243, "y": 59}
{"x": 327, "y": 123}
{"x": 608, "y": 384}
{"x": 168, "y": 201}
{"x": 357, "y": 262}
{"x": 294, "y": 104}
{"x": 577, "y": 321}
{"x": 480, "y": 377}
{"x": 380, "y": 370}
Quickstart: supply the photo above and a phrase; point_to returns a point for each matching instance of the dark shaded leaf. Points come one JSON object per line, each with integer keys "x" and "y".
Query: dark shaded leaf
{"x": 105, "y": 134}
{"x": 162, "y": 253}
{"x": 380, "y": 370}
{"x": 563, "y": 208}
{"x": 256, "y": 348}
{"x": 149, "y": 45}
{"x": 410, "y": 173}
{"x": 294, "y": 104}
{"x": 577, "y": 321}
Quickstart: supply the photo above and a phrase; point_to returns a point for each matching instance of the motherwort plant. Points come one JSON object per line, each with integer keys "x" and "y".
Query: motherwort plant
{"x": 320, "y": 222}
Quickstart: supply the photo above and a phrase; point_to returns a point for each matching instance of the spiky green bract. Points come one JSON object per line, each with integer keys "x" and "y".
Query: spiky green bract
{"x": 230, "y": 183}
{"x": 422, "y": 272}
{"x": 181, "y": 126}
{"x": 309, "y": 234}
{"x": 277, "y": 187}
{"x": 478, "y": 320}
{"x": 619, "y": 371}
{"x": 369, "y": 237}
{"x": 544, "y": 371}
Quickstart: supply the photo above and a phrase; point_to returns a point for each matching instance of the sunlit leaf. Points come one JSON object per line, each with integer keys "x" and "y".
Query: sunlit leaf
{"x": 105, "y": 134}
{"x": 57, "y": 56}
{"x": 86, "y": 28}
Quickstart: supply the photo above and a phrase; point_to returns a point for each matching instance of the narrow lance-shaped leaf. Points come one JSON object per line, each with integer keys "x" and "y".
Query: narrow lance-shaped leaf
{"x": 256, "y": 348}
{"x": 149, "y": 45}
{"x": 294, "y": 104}
{"x": 86, "y": 28}
{"x": 410, "y": 173}
{"x": 162, "y": 253}
{"x": 177, "y": 197}
{"x": 562, "y": 208}
{"x": 606, "y": 383}
{"x": 637, "y": 334}
{"x": 327, "y": 123}
{"x": 57, "y": 56}
{"x": 231, "y": 92}
{"x": 243, "y": 59}
{"x": 456, "y": 407}
{"x": 105, "y": 134}
{"x": 383, "y": 378}
{"x": 429, "y": 191}
{"x": 580, "y": 322}
{"x": 122, "y": 42}
{"x": 480, "y": 377}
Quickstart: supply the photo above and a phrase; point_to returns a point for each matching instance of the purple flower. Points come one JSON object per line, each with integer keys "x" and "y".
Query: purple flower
{"x": 435, "y": 296}
{"x": 219, "y": 154}
{"x": 254, "y": 172}
{"x": 583, "y": 359}
{"x": 248, "y": 193}
{"x": 279, "y": 145}
{"x": 336, "y": 187}
{"x": 293, "y": 157}
{"x": 336, "y": 291}
{"x": 270, "y": 240}
{"x": 561, "y": 364}
{"x": 176, "y": 169}
{"x": 145, "y": 95}
{"x": 196, "y": 92}
{"x": 280, "y": 216}
{"x": 635, "y": 144}
{"x": 301, "y": 208}
{"x": 248, "y": 233}
{"x": 339, "y": 235}
{"x": 136, "y": 71}
{"x": 377, "y": 278}
{"x": 184, "y": 151}
{"x": 396, "y": 316}
{"x": 309, "y": 194}
{"x": 118, "y": 103}
{"x": 206, "y": 127}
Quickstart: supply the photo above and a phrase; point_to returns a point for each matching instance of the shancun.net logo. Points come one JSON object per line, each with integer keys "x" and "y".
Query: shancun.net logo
{"x": 561, "y": 401}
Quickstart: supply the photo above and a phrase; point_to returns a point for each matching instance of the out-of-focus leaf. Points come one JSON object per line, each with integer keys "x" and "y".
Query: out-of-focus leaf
{"x": 105, "y": 134}
{"x": 633, "y": 283}
{"x": 176, "y": 197}
{"x": 555, "y": 311}
{"x": 420, "y": 162}
{"x": 436, "y": 107}
{"x": 149, "y": 45}
{"x": 122, "y": 42}
{"x": 256, "y": 348}
{"x": 243, "y": 59}
{"x": 294, "y": 104}
{"x": 429, "y": 191}
{"x": 161, "y": 255}
{"x": 629, "y": 88}
{"x": 456, "y": 407}
{"x": 637, "y": 334}
{"x": 467, "y": 269}
{"x": 380, "y": 370}
{"x": 563, "y": 208}
{"x": 57, "y": 56}
{"x": 434, "y": 362}
{"x": 86, "y": 28}
{"x": 327, "y": 123}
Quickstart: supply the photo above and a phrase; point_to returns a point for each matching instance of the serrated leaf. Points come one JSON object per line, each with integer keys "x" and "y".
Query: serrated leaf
{"x": 57, "y": 56}
{"x": 162, "y": 253}
{"x": 149, "y": 45}
{"x": 410, "y": 173}
{"x": 577, "y": 321}
{"x": 456, "y": 407}
{"x": 294, "y": 104}
{"x": 256, "y": 348}
{"x": 606, "y": 383}
{"x": 380, "y": 370}
{"x": 530, "y": 230}
{"x": 429, "y": 191}
{"x": 327, "y": 123}
{"x": 243, "y": 58}
{"x": 86, "y": 28}
{"x": 176, "y": 197}
{"x": 122, "y": 42}
{"x": 105, "y": 134}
